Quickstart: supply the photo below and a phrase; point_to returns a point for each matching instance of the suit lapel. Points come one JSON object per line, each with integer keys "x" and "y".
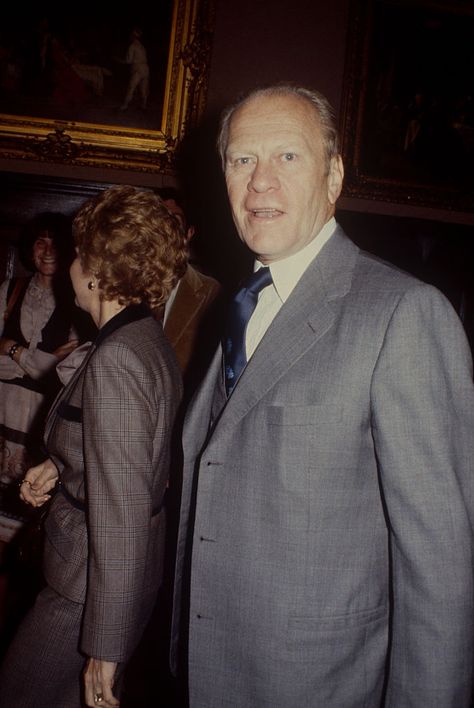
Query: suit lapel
{"x": 306, "y": 316}
{"x": 196, "y": 424}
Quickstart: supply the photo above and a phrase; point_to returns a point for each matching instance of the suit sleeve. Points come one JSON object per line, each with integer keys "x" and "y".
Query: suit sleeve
{"x": 121, "y": 414}
{"x": 423, "y": 427}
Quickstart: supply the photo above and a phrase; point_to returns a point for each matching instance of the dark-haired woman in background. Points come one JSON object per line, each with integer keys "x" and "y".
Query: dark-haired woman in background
{"x": 109, "y": 436}
{"x": 36, "y": 332}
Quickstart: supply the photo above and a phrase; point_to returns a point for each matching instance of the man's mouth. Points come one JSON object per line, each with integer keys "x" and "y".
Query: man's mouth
{"x": 266, "y": 213}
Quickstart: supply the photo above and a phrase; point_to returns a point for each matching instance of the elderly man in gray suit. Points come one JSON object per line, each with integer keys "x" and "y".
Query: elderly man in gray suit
{"x": 328, "y": 486}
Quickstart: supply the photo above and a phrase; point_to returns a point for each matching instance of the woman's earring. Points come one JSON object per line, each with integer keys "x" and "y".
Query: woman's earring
{"x": 91, "y": 285}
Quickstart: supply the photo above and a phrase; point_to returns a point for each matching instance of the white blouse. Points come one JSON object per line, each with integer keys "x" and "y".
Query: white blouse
{"x": 36, "y": 309}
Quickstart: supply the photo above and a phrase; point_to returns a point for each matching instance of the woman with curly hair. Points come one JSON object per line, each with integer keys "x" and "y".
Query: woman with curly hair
{"x": 108, "y": 436}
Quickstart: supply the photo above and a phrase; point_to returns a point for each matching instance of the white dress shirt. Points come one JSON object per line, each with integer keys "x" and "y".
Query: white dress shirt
{"x": 285, "y": 275}
{"x": 170, "y": 301}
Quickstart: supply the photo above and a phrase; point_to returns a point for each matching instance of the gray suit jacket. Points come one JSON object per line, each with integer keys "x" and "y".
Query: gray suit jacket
{"x": 332, "y": 502}
{"x": 109, "y": 432}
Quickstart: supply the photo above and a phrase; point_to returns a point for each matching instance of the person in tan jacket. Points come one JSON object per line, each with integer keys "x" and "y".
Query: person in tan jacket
{"x": 191, "y": 316}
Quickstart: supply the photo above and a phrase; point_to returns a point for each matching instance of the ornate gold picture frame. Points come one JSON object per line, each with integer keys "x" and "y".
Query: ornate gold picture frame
{"x": 127, "y": 140}
{"x": 408, "y": 107}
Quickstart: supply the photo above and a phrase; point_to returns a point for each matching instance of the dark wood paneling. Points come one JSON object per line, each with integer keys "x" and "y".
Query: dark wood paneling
{"x": 23, "y": 196}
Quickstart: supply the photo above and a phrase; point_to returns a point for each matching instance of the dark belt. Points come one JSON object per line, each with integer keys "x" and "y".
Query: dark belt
{"x": 82, "y": 507}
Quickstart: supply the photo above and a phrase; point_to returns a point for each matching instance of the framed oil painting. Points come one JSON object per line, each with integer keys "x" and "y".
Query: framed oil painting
{"x": 100, "y": 88}
{"x": 408, "y": 107}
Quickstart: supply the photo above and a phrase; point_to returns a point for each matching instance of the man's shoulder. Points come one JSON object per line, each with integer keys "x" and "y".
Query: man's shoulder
{"x": 197, "y": 280}
{"x": 374, "y": 267}
{"x": 367, "y": 277}
{"x": 368, "y": 265}
{"x": 347, "y": 268}
{"x": 384, "y": 284}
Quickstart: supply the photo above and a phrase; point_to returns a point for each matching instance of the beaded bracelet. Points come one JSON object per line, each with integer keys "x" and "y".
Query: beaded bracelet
{"x": 13, "y": 350}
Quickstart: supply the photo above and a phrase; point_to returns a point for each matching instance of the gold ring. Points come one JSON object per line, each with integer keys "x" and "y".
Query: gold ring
{"x": 25, "y": 481}
{"x": 98, "y": 698}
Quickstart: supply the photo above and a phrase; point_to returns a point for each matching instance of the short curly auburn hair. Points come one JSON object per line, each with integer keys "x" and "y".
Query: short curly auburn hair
{"x": 132, "y": 244}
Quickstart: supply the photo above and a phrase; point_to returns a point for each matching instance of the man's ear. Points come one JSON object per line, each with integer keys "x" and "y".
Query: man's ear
{"x": 190, "y": 233}
{"x": 335, "y": 179}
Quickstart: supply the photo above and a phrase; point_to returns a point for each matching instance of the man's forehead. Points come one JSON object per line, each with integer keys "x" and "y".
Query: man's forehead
{"x": 281, "y": 119}
{"x": 272, "y": 108}
{"x": 275, "y": 101}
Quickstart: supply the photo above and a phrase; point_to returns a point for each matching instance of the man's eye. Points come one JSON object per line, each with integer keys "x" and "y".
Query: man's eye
{"x": 242, "y": 160}
{"x": 289, "y": 156}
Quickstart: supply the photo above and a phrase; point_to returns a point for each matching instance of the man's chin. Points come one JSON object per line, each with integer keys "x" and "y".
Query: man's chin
{"x": 264, "y": 246}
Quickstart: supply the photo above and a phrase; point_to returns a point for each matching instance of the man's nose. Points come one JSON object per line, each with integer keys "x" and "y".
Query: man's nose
{"x": 263, "y": 177}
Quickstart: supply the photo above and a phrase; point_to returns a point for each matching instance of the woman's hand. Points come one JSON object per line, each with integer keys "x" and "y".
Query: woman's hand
{"x": 98, "y": 681}
{"x": 37, "y": 482}
{"x": 65, "y": 349}
{"x": 6, "y": 345}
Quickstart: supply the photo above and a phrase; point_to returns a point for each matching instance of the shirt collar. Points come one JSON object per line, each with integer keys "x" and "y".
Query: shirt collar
{"x": 287, "y": 272}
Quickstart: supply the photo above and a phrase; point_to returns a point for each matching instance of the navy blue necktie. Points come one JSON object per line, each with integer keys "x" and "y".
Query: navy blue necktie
{"x": 241, "y": 309}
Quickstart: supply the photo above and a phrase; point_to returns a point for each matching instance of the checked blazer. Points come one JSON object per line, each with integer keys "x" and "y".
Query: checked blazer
{"x": 109, "y": 433}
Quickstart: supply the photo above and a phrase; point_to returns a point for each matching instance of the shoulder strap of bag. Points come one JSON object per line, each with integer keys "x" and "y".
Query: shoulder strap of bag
{"x": 19, "y": 285}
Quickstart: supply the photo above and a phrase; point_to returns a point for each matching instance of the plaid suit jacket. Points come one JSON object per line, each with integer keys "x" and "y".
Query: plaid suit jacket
{"x": 109, "y": 432}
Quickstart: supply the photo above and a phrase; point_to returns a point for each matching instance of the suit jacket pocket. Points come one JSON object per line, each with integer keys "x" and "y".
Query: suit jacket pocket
{"x": 343, "y": 655}
{"x": 355, "y": 642}
{"x": 290, "y": 415}
{"x": 316, "y": 437}
{"x": 65, "y": 554}
{"x": 310, "y": 457}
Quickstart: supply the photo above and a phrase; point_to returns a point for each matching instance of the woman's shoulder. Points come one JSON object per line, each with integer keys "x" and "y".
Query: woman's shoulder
{"x": 136, "y": 350}
{"x": 137, "y": 330}
{"x": 134, "y": 336}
